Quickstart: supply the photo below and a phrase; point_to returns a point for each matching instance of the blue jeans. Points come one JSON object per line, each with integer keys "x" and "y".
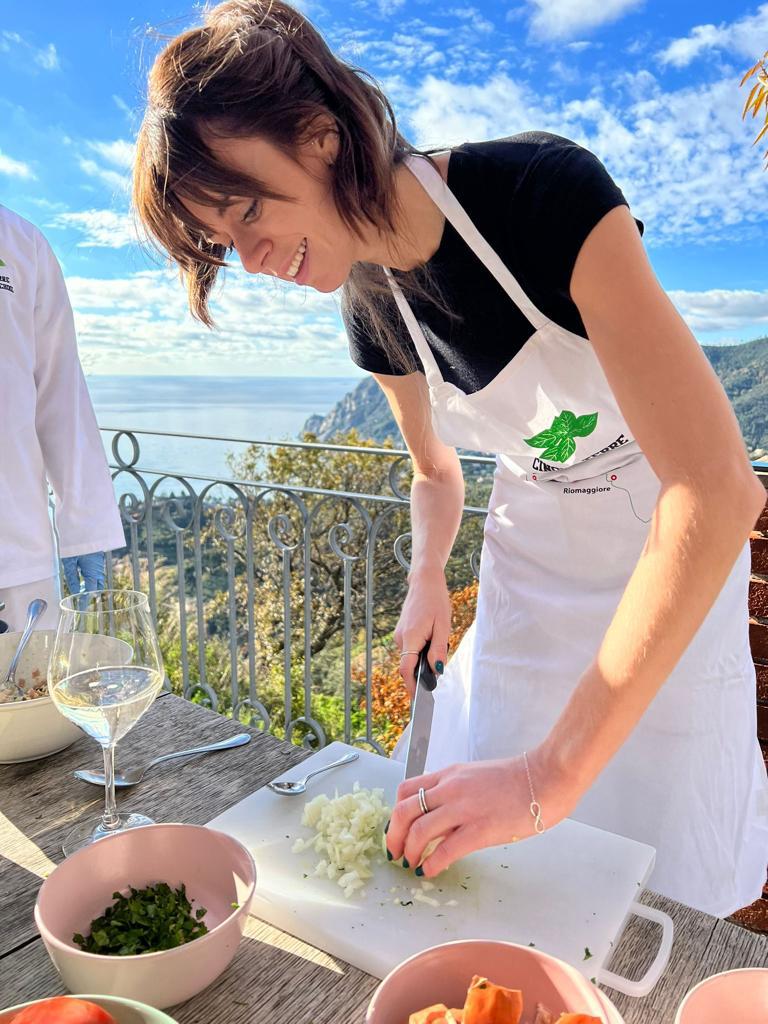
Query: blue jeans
{"x": 92, "y": 569}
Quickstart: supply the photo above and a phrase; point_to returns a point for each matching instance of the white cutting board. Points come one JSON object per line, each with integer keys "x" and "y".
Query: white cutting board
{"x": 566, "y": 891}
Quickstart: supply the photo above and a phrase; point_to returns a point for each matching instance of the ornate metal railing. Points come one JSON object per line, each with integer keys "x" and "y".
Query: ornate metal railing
{"x": 274, "y": 597}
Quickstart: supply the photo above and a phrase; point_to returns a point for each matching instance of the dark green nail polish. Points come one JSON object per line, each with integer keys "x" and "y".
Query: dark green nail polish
{"x": 386, "y": 827}
{"x": 389, "y": 855}
{"x": 439, "y": 667}
{"x": 405, "y": 863}
{"x": 419, "y": 871}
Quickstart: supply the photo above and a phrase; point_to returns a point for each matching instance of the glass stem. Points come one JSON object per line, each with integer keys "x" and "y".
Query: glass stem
{"x": 110, "y": 819}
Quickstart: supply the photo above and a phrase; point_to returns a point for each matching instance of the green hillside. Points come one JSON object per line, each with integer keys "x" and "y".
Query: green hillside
{"x": 743, "y": 370}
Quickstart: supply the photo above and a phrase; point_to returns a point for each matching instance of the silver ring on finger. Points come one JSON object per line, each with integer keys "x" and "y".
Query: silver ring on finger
{"x": 404, "y": 653}
{"x": 423, "y": 801}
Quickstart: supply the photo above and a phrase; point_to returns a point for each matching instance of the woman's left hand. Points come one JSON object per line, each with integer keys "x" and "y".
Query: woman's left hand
{"x": 484, "y": 803}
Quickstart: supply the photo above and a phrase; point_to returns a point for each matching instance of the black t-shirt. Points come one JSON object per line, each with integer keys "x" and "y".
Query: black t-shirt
{"x": 534, "y": 197}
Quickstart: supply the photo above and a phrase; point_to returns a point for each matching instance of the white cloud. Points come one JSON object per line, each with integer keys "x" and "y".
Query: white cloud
{"x": 104, "y": 228}
{"x": 747, "y": 37}
{"x": 462, "y": 49}
{"x": 683, "y": 158}
{"x": 721, "y": 310}
{"x": 120, "y": 153}
{"x": 473, "y": 17}
{"x": 15, "y": 168}
{"x": 46, "y": 57}
{"x": 122, "y": 106}
{"x": 115, "y": 180}
{"x": 388, "y": 7}
{"x": 564, "y": 19}
{"x": 263, "y": 326}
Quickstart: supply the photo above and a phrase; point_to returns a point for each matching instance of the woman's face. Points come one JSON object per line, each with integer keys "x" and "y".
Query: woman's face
{"x": 304, "y": 241}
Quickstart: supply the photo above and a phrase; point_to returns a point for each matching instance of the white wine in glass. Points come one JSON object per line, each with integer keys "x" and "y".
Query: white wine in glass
{"x": 105, "y": 671}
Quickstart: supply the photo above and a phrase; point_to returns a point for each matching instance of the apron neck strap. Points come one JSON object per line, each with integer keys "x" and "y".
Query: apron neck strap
{"x": 428, "y": 361}
{"x": 436, "y": 188}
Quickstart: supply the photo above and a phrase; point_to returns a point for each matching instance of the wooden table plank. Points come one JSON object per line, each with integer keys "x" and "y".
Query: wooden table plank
{"x": 275, "y": 977}
{"x": 41, "y": 800}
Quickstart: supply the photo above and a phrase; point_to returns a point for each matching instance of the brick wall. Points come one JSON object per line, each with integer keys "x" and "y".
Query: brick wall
{"x": 756, "y": 916}
{"x": 758, "y": 621}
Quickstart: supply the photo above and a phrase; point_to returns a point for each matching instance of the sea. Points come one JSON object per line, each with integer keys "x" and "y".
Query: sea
{"x": 248, "y": 408}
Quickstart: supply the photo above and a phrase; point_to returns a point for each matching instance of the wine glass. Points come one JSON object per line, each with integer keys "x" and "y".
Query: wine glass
{"x": 105, "y": 671}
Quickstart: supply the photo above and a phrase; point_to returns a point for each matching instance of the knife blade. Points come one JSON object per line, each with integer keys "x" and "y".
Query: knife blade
{"x": 421, "y": 716}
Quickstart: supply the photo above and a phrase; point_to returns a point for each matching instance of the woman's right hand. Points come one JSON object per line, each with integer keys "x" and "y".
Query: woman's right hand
{"x": 426, "y": 616}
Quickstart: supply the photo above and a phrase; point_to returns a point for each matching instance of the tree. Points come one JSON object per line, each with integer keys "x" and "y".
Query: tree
{"x": 758, "y": 96}
{"x": 390, "y": 704}
{"x": 227, "y": 571}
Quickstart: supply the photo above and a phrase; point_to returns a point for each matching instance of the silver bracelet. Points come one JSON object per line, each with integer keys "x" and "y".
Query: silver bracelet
{"x": 535, "y": 806}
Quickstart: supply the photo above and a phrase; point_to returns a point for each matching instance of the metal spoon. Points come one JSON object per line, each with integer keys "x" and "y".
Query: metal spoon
{"x": 34, "y": 611}
{"x": 132, "y": 776}
{"x": 294, "y": 788}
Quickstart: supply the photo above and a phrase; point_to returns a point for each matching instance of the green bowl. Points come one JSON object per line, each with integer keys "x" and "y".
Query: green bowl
{"x": 125, "y": 1011}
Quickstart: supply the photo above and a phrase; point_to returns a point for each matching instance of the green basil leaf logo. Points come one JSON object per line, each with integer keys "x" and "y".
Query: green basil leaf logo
{"x": 542, "y": 440}
{"x": 2, "y": 263}
{"x": 558, "y": 440}
{"x": 560, "y": 451}
{"x": 562, "y": 425}
{"x": 584, "y": 425}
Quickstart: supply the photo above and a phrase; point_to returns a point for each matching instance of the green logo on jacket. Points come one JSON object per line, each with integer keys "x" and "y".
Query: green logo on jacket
{"x": 558, "y": 440}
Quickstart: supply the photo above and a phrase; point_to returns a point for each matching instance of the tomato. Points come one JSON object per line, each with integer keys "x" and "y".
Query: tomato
{"x": 64, "y": 1010}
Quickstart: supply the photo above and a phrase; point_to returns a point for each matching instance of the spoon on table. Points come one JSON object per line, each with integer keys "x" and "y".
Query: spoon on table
{"x": 132, "y": 776}
{"x": 34, "y": 611}
{"x": 294, "y": 788}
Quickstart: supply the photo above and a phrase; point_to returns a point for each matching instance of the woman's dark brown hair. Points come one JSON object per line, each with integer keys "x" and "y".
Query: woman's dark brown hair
{"x": 259, "y": 68}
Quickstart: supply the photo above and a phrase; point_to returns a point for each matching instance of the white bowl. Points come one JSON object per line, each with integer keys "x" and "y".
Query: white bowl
{"x": 219, "y": 874}
{"x": 125, "y": 1011}
{"x": 30, "y": 729}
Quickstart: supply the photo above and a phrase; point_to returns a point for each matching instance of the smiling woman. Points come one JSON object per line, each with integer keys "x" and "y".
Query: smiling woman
{"x": 501, "y": 295}
{"x": 258, "y": 139}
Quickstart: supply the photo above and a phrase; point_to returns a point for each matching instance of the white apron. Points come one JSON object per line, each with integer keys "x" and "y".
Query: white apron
{"x": 568, "y": 516}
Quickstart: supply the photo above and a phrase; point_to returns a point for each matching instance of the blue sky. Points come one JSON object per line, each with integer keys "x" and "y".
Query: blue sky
{"x": 651, "y": 87}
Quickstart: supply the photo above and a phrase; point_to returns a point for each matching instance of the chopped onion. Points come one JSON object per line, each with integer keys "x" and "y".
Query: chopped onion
{"x": 347, "y": 837}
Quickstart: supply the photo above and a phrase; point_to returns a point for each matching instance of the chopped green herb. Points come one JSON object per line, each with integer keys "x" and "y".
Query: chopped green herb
{"x": 145, "y": 921}
{"x": 587, "y": 954}
{"x": 532, "y": 944}
{"x": 235, "y": 906}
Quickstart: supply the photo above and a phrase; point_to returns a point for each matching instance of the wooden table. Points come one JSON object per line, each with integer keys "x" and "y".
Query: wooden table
{"x": 275, "y": 978}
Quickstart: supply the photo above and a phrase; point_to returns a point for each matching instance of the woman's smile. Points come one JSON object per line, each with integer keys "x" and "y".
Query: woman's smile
{"x": 297, "y": 261}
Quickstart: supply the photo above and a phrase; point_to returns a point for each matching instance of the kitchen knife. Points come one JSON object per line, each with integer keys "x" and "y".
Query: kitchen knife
{"x": 421, "y": 716}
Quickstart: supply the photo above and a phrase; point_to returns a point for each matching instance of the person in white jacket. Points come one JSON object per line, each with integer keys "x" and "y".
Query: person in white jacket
{"x": 48, "y": 429}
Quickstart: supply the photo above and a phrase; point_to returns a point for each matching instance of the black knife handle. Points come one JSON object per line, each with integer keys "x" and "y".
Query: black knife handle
{"x": 424, "y": 673}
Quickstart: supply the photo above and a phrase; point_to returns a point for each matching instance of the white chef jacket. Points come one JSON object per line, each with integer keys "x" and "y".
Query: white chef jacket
{"x": 48, "y": 427}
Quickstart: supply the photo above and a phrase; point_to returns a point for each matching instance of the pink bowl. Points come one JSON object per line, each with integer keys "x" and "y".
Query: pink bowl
{"x": 733, "y": 996}
{"x": 442, "y": 974}
{"x": 218, "y": 872}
